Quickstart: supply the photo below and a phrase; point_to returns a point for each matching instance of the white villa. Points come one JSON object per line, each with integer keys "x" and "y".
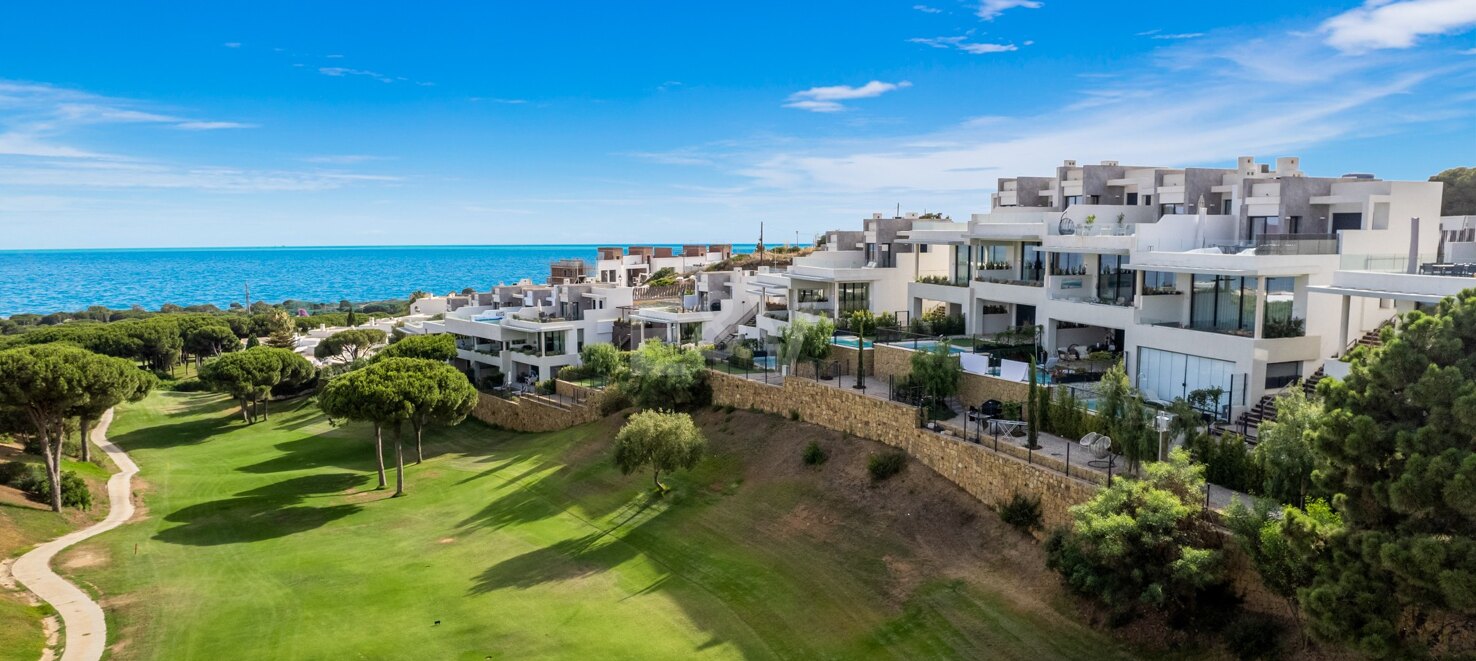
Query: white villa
{"x": 1200, "y": 278}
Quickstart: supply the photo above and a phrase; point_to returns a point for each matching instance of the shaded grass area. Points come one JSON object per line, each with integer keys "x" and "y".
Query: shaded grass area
{"x": 23, "y": 525}
{"x": 272, "y": 538}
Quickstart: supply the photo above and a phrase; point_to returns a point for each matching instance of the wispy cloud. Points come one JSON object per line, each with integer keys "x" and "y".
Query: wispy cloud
{"x": 232, "y": 44}
{"x": 40, "y": 125}
{"x": 343, "y": 159}
{"x": 1381, "y": 24}
{"x": 1179, "y": 35}
{"x": 213, "y": 126}
{"x": 1297, "y": 107}
{"x": 963, "y": 44}
{"x": 828, "y": 99}
{"x": 340, "y": 72}
{"x": 991, "y": 9}
{"x": 927, "y": 10}
{"x": 492, "y": 99}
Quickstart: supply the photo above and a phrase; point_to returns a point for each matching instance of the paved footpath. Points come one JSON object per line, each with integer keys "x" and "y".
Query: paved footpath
{"x": 87, "y": 631}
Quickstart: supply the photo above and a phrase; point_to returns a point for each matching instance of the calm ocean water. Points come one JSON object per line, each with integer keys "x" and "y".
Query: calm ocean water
{"x": 51, "y": 280}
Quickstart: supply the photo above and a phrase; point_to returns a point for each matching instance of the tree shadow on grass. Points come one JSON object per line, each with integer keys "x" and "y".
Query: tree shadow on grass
{"x": 175, "y": 434}
{"x": 266, "y": 512}
{"x": 333, "y": 449}
{"x": 591, "y": 554}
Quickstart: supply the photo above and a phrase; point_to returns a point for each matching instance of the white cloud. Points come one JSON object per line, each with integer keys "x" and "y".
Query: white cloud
{"x": 827, "y": 99}
{"x": 213, "y": 126}
{"x": 1380, "y": 24}
{"x": 1180, "y": 35}
{"x": 963, "y": 44}
{"x": 980, "y": 49}
{"x": 340, "y": 72}
{"x": 342, "y": 159}
{"x": 232, "y": 44}
{"x": 1149, "y": 118}
{"x": 1468, "y": 51}
{"x": 991, "y": 9}
{"x": 927, "y": 10}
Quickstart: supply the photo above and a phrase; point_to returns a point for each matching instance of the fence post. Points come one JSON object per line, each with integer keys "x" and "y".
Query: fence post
{"x": 1068, "y": 460}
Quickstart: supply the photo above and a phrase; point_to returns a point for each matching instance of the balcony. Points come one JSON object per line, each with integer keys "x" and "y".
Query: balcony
{"x": 1296, "y": 244}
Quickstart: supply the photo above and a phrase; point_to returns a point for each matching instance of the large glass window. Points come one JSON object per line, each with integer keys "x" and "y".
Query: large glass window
{"x": 1280, "y": 319}
{"x": 1168, "y": 375}
{"x": 1171, "y": 209}
{"x": 854, "y": 296}
{"x": 1032, "y": 262}
{"x": 810, "y": 295}
{"x": 1073, "y": 199}
{"x": 1223, "y": 303}
{"x": 1160, "y": 282}
{"x": 1068, "y": 263}
{"x": 553, "y": 343}
{"x": 961, "y": 270}
{"x": 1114, "y": 280}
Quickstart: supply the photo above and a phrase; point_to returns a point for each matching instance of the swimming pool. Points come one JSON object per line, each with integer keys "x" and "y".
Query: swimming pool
{"x": 847, "y": 341}
{"x": 927, "y": 345}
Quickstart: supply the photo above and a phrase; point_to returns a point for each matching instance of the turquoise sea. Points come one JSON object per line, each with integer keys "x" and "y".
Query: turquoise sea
{"x": 63, "y": 280}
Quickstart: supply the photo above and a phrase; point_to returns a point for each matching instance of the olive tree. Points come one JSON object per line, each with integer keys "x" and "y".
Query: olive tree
{"x": 662, "y": 440}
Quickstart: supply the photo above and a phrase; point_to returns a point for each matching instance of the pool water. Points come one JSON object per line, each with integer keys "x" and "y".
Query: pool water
{"x": 927, "y": 345}
{"x": 848, "y": 341}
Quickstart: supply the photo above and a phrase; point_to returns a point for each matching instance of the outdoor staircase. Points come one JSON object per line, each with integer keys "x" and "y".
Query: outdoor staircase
{"x": 732, "y": 330}
{"x": 1264, "y": 410}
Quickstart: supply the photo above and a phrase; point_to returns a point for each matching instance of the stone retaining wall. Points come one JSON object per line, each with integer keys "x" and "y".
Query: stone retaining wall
{"x": 888, "y": 360}
{"x": 992, "y": 477}
{"x": 536, "y": 414}
{"x": 974, "y": 389}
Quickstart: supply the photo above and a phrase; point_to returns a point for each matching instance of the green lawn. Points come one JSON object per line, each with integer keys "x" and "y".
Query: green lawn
{"x": 269, "y": 542}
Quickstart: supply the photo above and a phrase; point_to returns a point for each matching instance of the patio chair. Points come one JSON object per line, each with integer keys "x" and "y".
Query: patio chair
{"x": 1101, "y": 448}
{"x": 1089, "y": 439}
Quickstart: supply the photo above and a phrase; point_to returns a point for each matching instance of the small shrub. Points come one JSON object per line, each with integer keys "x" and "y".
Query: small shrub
{"x": 886, "y": 464}
{"x": 814, "y": 454}
{"x": 614, "y": 401}
{"x": 189, "y": 385}
{"x": 1022, "y": 512}
{"x": 11, "y": 473}
{"x": 31, "y": 479}
{"x": 1013, "y": 410}
{"x": 545, "y": 387}
{"x": 794, "y": 415}
{"x": 1254, "y": 636}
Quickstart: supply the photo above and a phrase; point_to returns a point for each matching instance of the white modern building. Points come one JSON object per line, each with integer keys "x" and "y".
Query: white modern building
{"x": 866, "y": 269}
{"x": 523, "y": 333}
{"x": 630, "y": 267}
{"x": 1198, "y": 277}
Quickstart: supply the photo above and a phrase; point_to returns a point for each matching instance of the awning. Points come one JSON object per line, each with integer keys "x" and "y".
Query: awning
{"x": 1375, "y": 293}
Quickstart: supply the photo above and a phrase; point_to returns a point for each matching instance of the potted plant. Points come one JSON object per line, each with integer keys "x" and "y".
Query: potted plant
{"x": 1091, "y": 220}
{"x": 1120, "y": 218}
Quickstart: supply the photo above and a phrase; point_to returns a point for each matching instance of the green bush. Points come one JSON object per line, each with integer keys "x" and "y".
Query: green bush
{"x": 1254, "y": 636}
{"x": 886, "y": 464}
{"x": 31, "y": 480}
{"x": 1022, "y": 512}
{"x": 1012, "y": 410}
{"x": 614, "y": 401}
{"x": 189, "y": 385}
{"x": 794, "y": 415}
{"x": 814, "y": 454}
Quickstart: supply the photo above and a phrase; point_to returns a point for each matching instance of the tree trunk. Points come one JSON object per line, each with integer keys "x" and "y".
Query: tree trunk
{"x": 85, "y": 422}
{"x": 51, "y": 450}
{"x": 419, "y": 454}
{"x": 379, "y": 454}
{"x": 266, "y": 406}
{"x": 245, "y": 417}
{"x": 399, "y": 464}
{"x": 656, "y": 478}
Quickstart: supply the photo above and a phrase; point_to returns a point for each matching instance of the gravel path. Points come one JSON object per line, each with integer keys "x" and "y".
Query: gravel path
{"x": 86, "y": 629}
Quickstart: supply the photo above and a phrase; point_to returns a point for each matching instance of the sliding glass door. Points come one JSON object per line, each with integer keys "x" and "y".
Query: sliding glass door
{"x": 1223, "y": 303}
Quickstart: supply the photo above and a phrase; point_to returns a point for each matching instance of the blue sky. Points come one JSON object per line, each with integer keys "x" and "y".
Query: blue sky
{"x": 278, "y": 123}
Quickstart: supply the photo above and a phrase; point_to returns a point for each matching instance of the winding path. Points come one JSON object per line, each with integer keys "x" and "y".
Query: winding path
{"x": 87, "y": 630}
